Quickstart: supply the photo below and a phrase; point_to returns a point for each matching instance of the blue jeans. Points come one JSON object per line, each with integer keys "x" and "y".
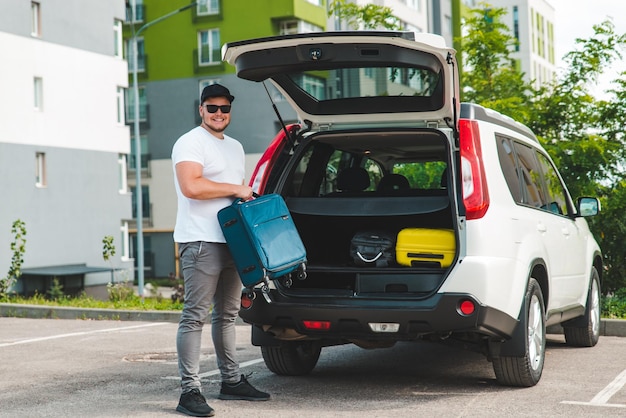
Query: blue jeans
{"x": 210, "y": 280}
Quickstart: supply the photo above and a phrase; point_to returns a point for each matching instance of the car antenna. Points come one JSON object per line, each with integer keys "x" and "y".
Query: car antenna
{"x": 280, "y": 119}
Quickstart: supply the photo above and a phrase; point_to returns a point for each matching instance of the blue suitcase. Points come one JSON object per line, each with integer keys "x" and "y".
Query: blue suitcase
{"x": 263, "y": 240}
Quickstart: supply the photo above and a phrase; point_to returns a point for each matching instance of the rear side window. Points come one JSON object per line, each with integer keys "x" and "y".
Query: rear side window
{"x": 557, "y": 195}
{"x": 508, "y": 165}
{"x": 531, "y": 178}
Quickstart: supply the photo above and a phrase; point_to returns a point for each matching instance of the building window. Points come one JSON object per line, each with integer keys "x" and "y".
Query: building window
{"x": 209, "y": 47}
{"x": 314, "y": 86}
{"x": 130, "y": 105}
{"x": 316, "y": 2}
{"x": 141, "y": 55}
{"x": 145, "y": 202}
{"x": 118, "y": 39}
{"x": 119, "y": 99}
{"x": 38, "y": 93}
{"x": 139, "y": 11}
{"x": 40, "y": 170}
{"x": 125, "y": 250}
{"x": 132, "y": 163}
{"x": 35, "y": 12}
{"x": 208, "y": 7}
{"x": 123, "y": 179}
{"x": 288, "y": 27}
{"x": 415, "y": 4}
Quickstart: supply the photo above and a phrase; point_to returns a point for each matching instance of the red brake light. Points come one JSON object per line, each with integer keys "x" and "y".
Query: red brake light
{"x": 258, "y": 180}
{"x": 473, "y": 180}
{"x": 317, "y": 325}
{"x": 467, "y": 307}
{"x": 247, "y": 299}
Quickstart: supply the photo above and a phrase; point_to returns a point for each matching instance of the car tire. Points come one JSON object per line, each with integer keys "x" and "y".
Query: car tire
{"x": 585, "y": 331}
{"x": 292, "y": 358}
{"x": 526, "y": 371}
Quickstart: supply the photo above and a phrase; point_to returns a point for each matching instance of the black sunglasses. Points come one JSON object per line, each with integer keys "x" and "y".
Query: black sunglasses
{"x": 213, "y": 108}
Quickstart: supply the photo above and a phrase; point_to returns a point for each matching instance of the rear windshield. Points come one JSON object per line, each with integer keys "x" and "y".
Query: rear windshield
{"x": 367, "y": 82}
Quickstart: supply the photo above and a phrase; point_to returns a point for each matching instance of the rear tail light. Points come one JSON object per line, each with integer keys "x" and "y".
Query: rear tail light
{"x": 247, "y": 299}
{"x": 466, "y": 307}
{"x": 316, "y": 325}
{"x": 474, "y": 182}
{"x": 264, "y": 166}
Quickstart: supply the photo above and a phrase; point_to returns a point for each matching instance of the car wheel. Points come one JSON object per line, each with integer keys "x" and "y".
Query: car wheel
{"x": 526, "y": 371}
{"x": 585, "y": 331}
{"x": 292, "y": 358}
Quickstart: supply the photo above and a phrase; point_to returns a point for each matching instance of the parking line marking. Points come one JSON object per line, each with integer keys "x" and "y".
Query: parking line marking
{"x": 602, "y": 398}
{"x": 75, "y": 334}
{"x": 217, "y": 371}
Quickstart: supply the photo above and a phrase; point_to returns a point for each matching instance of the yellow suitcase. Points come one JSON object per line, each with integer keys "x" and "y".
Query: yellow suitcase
{"x": 426, "y": 247}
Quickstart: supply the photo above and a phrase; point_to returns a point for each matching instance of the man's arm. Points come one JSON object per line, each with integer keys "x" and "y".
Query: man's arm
{"x": 194, "y": 186}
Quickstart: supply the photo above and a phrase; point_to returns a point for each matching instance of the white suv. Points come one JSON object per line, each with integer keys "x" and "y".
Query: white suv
{"x": 385, "y": 145}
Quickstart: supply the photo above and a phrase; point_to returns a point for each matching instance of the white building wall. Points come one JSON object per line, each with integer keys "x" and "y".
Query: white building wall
{"x": 79, "y": 96}
{"x": 76, "y": 129}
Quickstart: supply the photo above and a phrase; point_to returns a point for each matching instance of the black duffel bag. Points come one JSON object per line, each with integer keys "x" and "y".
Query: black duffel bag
{"x": 373, "y": 248}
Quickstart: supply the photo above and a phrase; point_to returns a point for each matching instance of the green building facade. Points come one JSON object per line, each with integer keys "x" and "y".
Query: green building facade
{"x": 177, "y": 57}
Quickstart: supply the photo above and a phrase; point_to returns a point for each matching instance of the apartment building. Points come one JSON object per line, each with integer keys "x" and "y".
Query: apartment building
{"x": 531, "y": 22}
{"x": 63, "y": 141}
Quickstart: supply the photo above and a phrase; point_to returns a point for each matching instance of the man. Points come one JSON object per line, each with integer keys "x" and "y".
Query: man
{"x": 209, "y": 174}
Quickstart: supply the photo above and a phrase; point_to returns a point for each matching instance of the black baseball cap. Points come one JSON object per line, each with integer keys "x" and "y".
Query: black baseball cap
{"x": 216, "y": 90}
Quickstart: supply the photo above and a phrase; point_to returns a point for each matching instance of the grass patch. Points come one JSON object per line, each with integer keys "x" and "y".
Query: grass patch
{"x": 131, "y": 302}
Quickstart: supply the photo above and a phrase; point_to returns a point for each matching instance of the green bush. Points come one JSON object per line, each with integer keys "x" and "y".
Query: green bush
{"x": 614, "y": 306}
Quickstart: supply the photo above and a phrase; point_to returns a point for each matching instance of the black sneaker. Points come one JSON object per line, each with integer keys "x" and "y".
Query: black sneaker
{"x": 194, "y": 404}
{"x": 242, "y": 391}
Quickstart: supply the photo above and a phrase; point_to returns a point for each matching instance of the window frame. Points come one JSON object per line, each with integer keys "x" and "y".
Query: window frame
{"x": 130, "y": 105}
{"x": 125, "y": 242}
{"x": 118, "y": 39}
{"x": 122, "y": 173}
{"x": 41, "y": 177}
{"x": 35, "y": 11}
{"x": 38, "y": 93}
{"x": 212, "y": 8}
{"x": 213, "y": 47}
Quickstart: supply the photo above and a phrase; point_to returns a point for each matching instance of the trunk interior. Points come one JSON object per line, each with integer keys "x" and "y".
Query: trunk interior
{"x": 327, "y": 234}
{"x": 339, "y": 183}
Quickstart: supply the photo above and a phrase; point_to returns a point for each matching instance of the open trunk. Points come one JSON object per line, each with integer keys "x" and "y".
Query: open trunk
{"x": 327, "y": 234}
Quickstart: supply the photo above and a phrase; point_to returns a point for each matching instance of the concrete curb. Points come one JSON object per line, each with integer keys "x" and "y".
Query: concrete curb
{"x": 62, "y": 312}
{"x": 608, "y": 327}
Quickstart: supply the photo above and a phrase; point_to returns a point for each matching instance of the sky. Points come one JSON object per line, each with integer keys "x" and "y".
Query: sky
{"x": 575, "y": 19}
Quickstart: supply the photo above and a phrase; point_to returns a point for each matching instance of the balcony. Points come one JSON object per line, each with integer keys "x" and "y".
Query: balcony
{"x": 141, "y": 12}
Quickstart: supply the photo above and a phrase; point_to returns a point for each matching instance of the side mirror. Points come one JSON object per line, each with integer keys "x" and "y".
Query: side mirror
{"x": 588, "y": 206}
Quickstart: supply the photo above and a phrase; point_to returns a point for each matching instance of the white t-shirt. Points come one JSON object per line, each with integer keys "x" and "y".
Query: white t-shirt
{"x": 223, "y": 161}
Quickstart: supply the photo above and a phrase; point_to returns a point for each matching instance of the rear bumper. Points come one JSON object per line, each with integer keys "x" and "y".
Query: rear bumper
{"x": 350, "y": 318}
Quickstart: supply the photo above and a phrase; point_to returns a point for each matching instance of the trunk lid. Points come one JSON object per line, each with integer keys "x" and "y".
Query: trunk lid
{"x": 335, "y": 80}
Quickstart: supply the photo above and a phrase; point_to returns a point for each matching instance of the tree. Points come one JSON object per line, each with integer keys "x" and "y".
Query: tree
{"x": 370, "y": 16}
{"x": 490, "y": 77}
{"x": 584, "y": 135}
